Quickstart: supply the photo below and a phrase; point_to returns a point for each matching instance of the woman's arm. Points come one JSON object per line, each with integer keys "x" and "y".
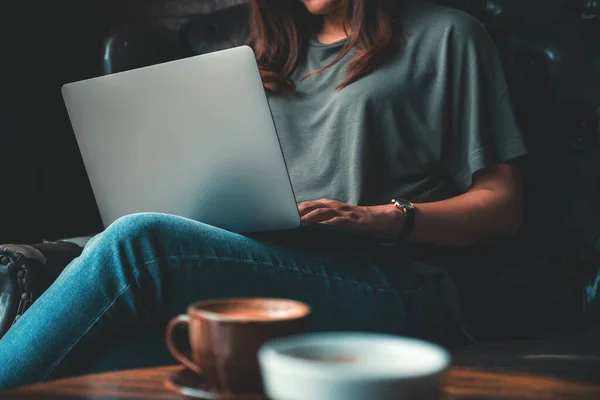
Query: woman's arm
{"x": 491, "y": 209}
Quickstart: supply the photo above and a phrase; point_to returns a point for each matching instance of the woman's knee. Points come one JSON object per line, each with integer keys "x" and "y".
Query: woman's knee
{"x": 138, "y": 226}
{"x": 128, "y": 243}
{"x": 154, "y": 233}
{"x": 146, "y": 237}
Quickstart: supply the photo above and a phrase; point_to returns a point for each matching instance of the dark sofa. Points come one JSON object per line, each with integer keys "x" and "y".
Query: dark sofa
{"x": 551, "y": 55}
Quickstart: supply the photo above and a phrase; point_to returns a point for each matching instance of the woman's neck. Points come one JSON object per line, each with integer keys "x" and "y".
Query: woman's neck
{"x": 333, "y": 28}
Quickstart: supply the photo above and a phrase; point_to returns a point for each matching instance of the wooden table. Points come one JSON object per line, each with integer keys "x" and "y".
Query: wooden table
{"x": 462, "y": 383}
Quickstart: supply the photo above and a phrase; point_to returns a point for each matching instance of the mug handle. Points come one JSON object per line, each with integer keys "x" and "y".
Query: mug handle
{"x": 175, "y": 352}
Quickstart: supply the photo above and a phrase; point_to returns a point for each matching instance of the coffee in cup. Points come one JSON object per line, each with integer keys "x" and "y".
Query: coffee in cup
{"x": 225, "y": 336}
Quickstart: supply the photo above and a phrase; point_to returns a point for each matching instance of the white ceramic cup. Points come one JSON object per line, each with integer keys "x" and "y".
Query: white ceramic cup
{"x": 352, "y": 366}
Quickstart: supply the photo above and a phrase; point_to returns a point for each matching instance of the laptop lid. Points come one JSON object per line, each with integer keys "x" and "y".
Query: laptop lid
{"x": 192, "y": 137}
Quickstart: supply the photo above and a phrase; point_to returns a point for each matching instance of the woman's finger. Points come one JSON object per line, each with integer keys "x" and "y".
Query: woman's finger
{"x": 339, "y": 220}
{"x": 308, "y": 206}
{"x": 319, "y": 215}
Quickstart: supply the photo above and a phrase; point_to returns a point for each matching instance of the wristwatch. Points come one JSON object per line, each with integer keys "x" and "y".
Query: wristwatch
{"x": 409, "y": 211}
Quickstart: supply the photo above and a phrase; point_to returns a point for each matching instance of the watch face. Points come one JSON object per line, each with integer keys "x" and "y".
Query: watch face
{"x": 405, "y": 203}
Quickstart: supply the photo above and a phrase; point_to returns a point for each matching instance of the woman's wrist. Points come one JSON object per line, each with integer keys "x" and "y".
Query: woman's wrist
{"x": 392, "y": 220}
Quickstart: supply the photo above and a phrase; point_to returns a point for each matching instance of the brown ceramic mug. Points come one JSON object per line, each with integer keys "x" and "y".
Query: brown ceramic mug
{"x": 225, "y": 336}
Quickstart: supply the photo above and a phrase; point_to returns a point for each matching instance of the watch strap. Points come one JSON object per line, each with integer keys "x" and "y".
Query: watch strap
{"x": 409, "y": 212}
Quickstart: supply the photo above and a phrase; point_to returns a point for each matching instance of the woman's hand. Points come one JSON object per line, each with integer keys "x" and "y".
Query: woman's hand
{"x": 383, "y": 220}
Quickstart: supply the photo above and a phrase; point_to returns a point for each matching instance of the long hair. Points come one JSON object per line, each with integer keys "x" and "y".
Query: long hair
{"x": 281, "y": 30}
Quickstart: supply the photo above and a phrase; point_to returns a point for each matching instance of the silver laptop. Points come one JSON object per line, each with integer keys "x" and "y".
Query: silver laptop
{"x": 193, "y": 138}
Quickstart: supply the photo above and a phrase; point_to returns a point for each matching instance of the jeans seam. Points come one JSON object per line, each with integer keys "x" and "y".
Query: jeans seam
{"x": 87, "y": 329}
{"x": 403, "y": 293}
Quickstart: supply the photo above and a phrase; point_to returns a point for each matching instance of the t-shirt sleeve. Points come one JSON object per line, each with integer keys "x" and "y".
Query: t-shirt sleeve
{"x": 482, "y": 128}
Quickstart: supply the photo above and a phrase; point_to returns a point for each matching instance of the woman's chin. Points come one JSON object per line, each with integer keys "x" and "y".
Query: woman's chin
{"x": 321, "y": 7}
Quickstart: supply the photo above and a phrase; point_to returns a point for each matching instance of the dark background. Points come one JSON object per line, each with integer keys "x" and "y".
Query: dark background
{"x": 44, "y": 192}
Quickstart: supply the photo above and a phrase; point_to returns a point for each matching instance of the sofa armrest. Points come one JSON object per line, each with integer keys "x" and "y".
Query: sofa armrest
{"x": 140, "y": 44}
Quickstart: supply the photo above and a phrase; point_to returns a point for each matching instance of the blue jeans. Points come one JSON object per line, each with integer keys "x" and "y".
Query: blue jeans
{"x": 149, "y": 267}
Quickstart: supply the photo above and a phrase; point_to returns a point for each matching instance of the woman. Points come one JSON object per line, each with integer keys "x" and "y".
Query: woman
{"x": 373, "y": 100}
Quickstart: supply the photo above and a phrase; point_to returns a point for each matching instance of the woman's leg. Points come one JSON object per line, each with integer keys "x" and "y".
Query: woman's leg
{"x": 149, "y": 267}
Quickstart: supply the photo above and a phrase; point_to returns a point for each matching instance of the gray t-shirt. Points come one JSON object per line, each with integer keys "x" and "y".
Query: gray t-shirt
{"x": 418, "y": 127}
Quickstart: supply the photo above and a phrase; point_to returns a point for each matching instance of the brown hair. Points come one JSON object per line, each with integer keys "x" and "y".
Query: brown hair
{"x": 281, "y": 30}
